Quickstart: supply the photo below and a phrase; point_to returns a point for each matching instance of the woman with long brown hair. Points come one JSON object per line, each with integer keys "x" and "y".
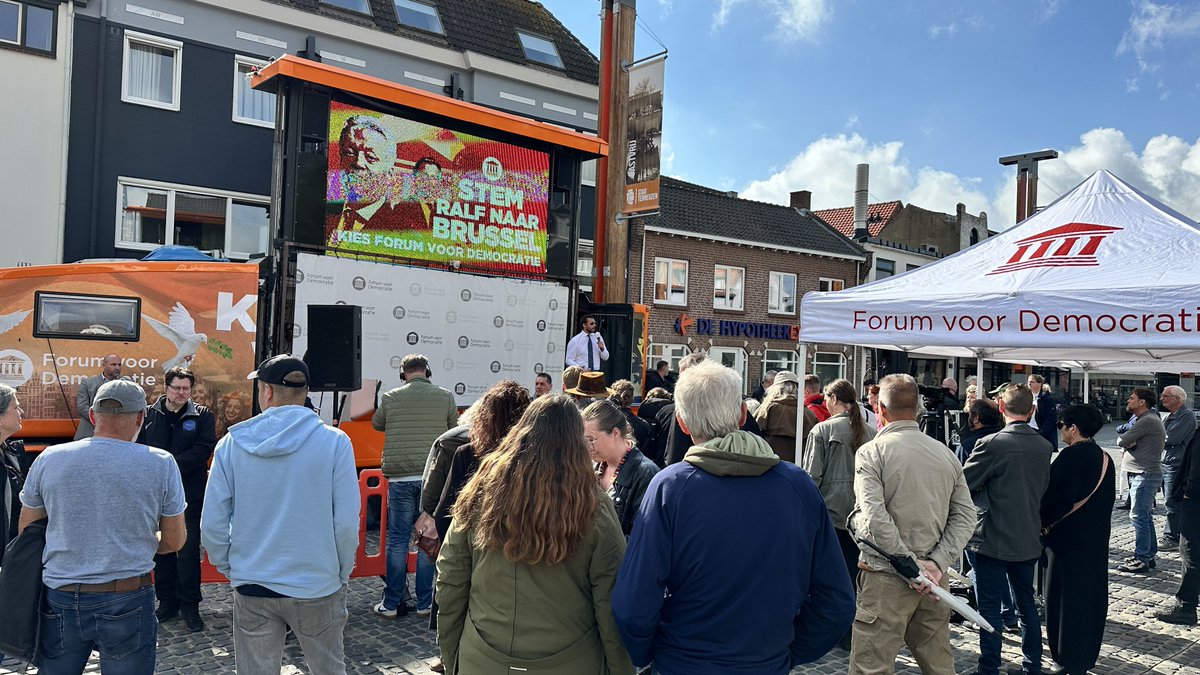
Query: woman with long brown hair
{"x": 495, "y": 413}
{"x": 621, "y": 469}
{"x": 829, "y": 459}
{"x": 526, "y": 573}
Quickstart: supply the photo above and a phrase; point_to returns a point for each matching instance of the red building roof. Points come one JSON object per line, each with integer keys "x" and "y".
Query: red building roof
{"x": 878, "y": 216}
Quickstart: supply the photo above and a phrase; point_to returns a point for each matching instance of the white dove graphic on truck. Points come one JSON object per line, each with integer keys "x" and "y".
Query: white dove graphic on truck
{"x": 181, "y": 330}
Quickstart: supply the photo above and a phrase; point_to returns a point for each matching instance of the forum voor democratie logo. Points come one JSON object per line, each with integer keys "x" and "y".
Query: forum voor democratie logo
{"x": 1070, "y": 245}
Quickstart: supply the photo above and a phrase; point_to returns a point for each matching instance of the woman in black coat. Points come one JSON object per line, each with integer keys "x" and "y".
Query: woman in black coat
{"x": 1077, "y": 542}
{"x": 11, "y": 453}
{"x": 622, "y": 470}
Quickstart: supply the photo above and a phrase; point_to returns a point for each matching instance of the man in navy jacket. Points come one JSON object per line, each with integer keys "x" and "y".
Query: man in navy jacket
{"x": 683, "y": 599}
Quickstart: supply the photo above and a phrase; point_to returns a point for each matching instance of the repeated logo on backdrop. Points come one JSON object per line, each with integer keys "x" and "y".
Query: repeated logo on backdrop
{"x": 474, "y": 329}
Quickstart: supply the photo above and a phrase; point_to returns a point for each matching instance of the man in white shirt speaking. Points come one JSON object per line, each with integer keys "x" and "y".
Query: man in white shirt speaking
{"x": 586, "y": 349}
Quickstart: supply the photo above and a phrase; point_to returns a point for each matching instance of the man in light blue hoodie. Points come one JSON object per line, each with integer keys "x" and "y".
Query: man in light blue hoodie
{"x": 280, "y": 520}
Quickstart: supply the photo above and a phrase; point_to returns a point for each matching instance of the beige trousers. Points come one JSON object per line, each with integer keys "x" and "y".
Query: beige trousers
{"x": 890, "y": 615}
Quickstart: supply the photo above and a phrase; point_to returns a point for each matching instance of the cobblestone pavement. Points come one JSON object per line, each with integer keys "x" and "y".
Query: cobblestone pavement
{"x": 1134, "y": 641}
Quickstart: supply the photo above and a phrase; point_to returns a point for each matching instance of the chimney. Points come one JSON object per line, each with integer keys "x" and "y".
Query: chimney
{"x": 861, "y": 174}
{"x": 801, "y": 199}
{"x": 732, "y": 194}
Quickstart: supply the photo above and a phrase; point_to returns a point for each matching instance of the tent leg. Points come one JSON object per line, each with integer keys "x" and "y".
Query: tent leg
{"x": 803, "y": 349}
{"x": 979, "y": 384}
{"x": 1086, "y": 388}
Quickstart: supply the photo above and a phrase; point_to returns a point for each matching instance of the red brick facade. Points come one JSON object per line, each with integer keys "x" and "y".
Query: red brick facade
{"x": 758, "y": 261}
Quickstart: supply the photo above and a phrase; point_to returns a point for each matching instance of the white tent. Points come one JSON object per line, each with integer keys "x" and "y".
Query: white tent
{"x": 1105, "y": 278}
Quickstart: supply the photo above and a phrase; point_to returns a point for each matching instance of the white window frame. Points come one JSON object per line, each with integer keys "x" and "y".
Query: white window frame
{"x": 670, "y": 352}
{"x": 828, "y": 283}
{"x": 773, "y": 280}
{"x": 176, "y": 81}
{"x": 171, "y": 189}
{"x": 723, "y": 303}
{"x": 831, "y": 359}
{"x": 769, "y": 363}
{"x": 20, "y": 23}
{"x": 715, "y": 351}
{"x": 238, "y": 61}
{"x": 686, "y": 272}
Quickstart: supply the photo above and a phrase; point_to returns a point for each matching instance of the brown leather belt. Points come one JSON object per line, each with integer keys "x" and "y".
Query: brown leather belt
{"x": 118, "y": 586}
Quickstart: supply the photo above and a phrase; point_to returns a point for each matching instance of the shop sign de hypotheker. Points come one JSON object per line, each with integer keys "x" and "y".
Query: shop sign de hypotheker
{"x": 736, "y": 329}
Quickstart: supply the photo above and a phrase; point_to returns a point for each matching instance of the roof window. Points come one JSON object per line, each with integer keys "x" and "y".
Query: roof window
{"x": 360, "y": 6}
{"x": 540, "y": 50}
{"x": 419, "y": 15}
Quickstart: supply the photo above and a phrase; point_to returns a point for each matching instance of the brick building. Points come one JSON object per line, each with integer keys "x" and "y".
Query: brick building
{"x": 900, "y": 238}
{"x": 725, "y": 275}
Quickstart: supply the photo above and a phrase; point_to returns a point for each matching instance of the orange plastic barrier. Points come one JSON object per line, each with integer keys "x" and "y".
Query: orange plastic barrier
{"x": 370, "y": 483}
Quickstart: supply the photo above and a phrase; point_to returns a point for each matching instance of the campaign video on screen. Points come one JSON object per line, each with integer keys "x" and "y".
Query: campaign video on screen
{"x": 414, "y": 190}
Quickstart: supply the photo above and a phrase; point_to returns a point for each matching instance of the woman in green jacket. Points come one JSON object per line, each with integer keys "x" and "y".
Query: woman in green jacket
{"x": 525, "y": 575}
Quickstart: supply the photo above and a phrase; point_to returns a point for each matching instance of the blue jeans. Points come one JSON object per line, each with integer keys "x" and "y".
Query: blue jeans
{"x": 1142, "y": 488}
{"x": 1171, "y": 531}
{"x": 404, "y": 505}
{"x": 992, "y": 579}
{"x": 121, "y": 626}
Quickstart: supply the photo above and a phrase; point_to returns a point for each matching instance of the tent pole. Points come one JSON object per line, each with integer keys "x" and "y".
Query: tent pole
{"x": 803, "y": 349}
{"x": 1086, "y": 388}
{"x": 982, "y": 389}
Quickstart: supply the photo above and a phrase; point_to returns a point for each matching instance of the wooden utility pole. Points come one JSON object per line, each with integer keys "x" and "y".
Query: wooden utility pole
{"x": 1027, "y": 177}
{"x": 612, "y": 236}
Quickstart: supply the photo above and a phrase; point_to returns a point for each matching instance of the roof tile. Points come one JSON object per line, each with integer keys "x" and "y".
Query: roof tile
{"x": 878, "y": 216}
{"x": 687, "y": 207}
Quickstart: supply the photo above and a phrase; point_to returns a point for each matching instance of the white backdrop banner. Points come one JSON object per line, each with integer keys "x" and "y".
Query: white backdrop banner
{"x": 475, "y": 330}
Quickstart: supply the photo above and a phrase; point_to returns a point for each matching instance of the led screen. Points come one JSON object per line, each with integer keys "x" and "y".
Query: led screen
{"x": 414, "y": 190}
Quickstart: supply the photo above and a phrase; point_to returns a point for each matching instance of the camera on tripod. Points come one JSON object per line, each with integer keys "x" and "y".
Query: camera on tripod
{"x": 936, "y": 397}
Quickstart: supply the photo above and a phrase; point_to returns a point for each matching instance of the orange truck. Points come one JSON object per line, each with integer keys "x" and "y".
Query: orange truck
{"x": 58, "y": 322}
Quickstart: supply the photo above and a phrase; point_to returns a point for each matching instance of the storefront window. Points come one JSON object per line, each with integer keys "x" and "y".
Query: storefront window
{"x": 829, "y": 366}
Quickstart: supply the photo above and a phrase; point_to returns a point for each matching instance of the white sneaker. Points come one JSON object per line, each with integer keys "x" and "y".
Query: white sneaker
{"x": 424, "y": 612}
{"x": 383, "y": 611}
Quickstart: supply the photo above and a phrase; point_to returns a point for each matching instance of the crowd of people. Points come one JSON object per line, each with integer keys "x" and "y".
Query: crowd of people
{"x": 563, "y": 532}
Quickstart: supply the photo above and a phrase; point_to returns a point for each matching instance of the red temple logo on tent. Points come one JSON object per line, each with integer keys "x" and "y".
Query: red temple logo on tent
{"x": 1070, "y": 245}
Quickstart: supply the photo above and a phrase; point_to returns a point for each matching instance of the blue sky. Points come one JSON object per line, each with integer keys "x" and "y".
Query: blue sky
{"x": 769, "y": 96}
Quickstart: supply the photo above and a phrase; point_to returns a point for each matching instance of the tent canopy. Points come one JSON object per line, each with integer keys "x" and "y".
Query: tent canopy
{"x": 1103, "y": 278}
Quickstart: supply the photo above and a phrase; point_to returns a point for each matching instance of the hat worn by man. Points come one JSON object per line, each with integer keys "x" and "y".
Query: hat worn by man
{"x": 275, "y": 369}
{"x": 786, "y": 376}
{"x": 129, "y": 394}
{"x": 591, "y": 385}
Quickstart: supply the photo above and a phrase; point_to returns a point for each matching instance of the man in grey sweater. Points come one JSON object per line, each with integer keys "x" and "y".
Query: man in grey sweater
{"x": 1143, "y": 444}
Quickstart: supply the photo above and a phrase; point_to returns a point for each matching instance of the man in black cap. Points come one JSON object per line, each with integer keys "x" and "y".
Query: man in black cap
{"x": 112, "y": 505}
{"x": 288, "y": 571}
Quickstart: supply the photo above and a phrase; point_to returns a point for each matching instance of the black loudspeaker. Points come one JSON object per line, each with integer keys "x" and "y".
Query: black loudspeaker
{"x": 334, "y": 355}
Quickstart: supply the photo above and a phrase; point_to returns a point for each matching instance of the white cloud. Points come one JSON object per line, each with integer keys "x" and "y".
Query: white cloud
{"x": 949, "y": 29}
{"x": 1152, "y": 25}
{"x": 1046, "y": 10}
{"x": 793, "y": 19}
{"x": 1167, "y": 168}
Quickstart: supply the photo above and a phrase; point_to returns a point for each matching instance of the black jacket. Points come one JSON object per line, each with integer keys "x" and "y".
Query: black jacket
{"x": 630, "y": 487}
{"x": 11, "y": 454}
{"x": 21, "y": 592}
{"x": 641, "y": 428}
{"x": 967, "y": 444}
{"x": 1008, "y": 473}
{"x": 191, "y": 439}
{"x": 1187, "y": 481}
{"x": 1047, "y": 417}
{"x": 659, "y": 413}
{"x": 653, "y": 379}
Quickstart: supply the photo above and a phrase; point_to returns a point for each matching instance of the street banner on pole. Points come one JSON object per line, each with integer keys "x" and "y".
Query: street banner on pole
{"x": 643, "y": 136}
